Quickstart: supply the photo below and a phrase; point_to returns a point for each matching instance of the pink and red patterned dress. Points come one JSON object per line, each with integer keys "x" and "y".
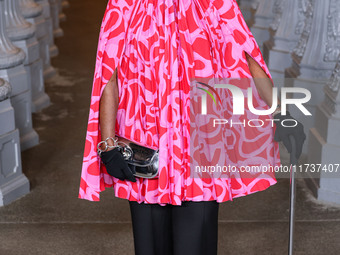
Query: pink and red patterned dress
{"x": 158, "y": 46}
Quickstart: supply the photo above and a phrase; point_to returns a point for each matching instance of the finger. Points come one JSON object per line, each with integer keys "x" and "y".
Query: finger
{"x": 302, "y": 133}
{"x": 277, "y": 136}
{"x": 132, "y": 168}
{"x": 299, "y": 144}
{"x": 121, "y": 178}
{"x": 298, "y": 150}
{"x": 119, "y": 175}
{"x": 287, "y": 144}
{"x": 128, "y": 174}
{"x": 107, "y": 156}
{"x": 113, "y": 171}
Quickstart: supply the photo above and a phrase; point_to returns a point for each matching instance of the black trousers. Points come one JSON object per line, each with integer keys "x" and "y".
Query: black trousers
{"x": 189, "y": 229}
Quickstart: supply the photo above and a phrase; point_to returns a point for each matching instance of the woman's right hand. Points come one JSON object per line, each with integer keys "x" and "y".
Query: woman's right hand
{"x": 282, "y": 133}
{"x": 116, "y": 166}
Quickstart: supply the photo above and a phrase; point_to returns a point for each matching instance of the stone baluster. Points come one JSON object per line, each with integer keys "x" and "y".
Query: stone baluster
{"x": 62, "y": 16}
{"x": 246, "y": 7}
{"x": 49, "y": 26}
{"x": 262, "y": 19}
{"x": 17, "y": 27}
{"x": 33, "y": 13}
{"x": 22, "y": 34}
{"x": 65, "y": 4}
{"x": 13, "y": 70}
{"x": 13, "y": 183}
{"x": 279, "y": 6}
{"x": 285, "y": 33}
{"x": 31, "y": 8}
{"x": 254, "y": 6}
{"x": 57, "y": 31}
{"x": 324, "y": 142}
{"x": 315, "y": 56}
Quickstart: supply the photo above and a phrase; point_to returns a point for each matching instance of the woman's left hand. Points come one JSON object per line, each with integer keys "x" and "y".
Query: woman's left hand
{"x": 282, "y": 133}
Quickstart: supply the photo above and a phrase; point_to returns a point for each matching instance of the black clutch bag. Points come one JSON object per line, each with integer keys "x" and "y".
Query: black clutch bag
{"x": 143, "y": 159}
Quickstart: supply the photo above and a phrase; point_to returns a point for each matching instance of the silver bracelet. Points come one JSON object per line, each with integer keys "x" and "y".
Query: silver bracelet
{"x": 107, "y": 146}
{"x": 276, "y": 112}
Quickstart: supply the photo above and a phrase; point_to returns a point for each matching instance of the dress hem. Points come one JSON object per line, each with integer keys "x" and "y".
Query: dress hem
{"x": 225, "y": 199}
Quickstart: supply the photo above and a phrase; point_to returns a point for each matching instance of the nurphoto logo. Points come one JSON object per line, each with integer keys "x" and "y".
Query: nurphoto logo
{"x": 238, "y": 101}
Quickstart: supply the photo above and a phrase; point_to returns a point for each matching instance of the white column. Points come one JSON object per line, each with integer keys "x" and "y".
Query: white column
{"x": 26, "y": 40}
{"x": 285, "y": 33}
{"x": 324, "y": 143}
{"x": 33, "y": 13}
{"x": 13, "y": 70}
{"x": 315, "y": 56}
{"x": 13, "y": 183}
{"x": 57, "y": 31}
{"x": 262, "y": 19}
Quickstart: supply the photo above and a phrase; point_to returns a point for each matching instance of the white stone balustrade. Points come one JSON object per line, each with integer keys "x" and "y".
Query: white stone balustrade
{"x": 13, "y": 70}
{"x": 315, "y": 56}
{"x": 286, "y": 30}
{"x": 26, "y": 40}
{"x": 324, "y": 143}
{"x": 263, "y": 17}
{"x": 13, "y": 183}
{"x": 27, "y": 31}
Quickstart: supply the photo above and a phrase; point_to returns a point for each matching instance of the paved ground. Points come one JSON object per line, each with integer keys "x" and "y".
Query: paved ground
{"x": 52, "y": 220}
